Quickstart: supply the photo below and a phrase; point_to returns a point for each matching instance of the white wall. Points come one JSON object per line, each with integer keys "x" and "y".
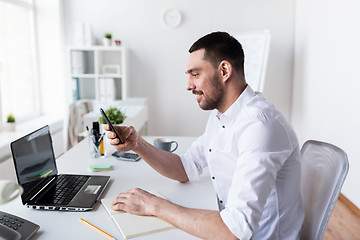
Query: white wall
{"x": 326, "y": 79}
{"x": 159, "y": 54}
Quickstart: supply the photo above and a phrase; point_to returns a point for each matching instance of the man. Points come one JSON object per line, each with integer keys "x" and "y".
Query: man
{"x": 251, "y": 151}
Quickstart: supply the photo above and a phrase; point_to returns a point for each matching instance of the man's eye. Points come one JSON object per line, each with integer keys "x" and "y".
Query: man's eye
{"x": 195, "y": 74}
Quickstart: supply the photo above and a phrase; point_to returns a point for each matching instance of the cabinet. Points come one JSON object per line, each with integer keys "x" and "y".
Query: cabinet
{"x": 99, "y": 73}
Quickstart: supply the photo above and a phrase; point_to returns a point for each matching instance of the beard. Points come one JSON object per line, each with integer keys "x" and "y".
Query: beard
{"x": 215, "y": 96}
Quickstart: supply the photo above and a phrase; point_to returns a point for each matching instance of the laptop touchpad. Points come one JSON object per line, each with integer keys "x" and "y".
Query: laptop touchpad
{"x": 92, "y": 189}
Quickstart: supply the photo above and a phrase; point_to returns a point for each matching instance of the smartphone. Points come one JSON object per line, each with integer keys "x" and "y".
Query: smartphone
{"x": 111, "y": 126}
{"x": 126, "y": 156}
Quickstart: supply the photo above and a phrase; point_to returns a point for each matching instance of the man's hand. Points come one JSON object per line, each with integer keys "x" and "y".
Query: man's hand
{"x": 136, "y": 201}
{"x": 205, "y": 224}
{"x": 128, "y": 135}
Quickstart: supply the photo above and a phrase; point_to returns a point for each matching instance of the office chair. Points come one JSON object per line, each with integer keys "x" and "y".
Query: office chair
{"x": 324, "y": 169}
{"x": 74, "y": 125}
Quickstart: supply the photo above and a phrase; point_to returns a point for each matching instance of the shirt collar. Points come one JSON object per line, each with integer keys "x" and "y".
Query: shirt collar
{"x": 239, "y": 104}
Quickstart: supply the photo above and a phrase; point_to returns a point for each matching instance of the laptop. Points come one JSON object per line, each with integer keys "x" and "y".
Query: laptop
{"x": 44, "y": 188}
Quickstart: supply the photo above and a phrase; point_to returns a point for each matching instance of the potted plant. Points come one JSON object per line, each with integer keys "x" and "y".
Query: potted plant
{"x": 10, "y": 122}
{"x": 115, "y": 116}
{"x": 107, "y": 39}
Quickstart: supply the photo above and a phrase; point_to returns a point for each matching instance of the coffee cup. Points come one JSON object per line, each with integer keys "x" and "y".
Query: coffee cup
{"x": 9, "y": 190}
{"x": 165, "y": 144}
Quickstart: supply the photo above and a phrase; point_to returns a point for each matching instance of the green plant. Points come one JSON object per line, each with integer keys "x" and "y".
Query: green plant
{"x": 108, "y": 35}
{"x": 11, "y": 118}
{"x": 115, "y": 116}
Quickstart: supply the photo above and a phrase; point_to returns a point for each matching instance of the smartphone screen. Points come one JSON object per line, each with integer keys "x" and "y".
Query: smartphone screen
{"x": 111, "y": 126}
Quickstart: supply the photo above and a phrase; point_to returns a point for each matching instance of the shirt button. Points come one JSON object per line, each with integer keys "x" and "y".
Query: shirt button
{"x": 221, "y": 201}
{"x": 223, "y": 126}
{"x": 213, "y": 177}
{"x": 210, "y": 150}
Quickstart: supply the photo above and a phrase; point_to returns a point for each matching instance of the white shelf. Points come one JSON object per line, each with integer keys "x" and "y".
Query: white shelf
{"x": 89, "y": 79}
{"x": 85, "y": 75}
{"x": 110, "y": 76}
{"x": 101, "y": 48}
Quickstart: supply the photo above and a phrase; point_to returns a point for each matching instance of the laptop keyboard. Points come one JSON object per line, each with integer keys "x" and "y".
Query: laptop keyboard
{"x": 65, "y": 189}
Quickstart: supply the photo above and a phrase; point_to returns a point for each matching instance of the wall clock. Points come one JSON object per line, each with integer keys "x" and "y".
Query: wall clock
{"x": 172, "y": 17}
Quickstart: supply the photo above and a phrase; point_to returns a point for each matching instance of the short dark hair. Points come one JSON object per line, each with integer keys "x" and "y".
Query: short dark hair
{"x": 221, "y": 46}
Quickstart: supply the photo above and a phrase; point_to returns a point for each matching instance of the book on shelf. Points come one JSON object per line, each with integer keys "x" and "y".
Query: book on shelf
{"x": 106, "y": 90}
{"x": 75, "y": 89}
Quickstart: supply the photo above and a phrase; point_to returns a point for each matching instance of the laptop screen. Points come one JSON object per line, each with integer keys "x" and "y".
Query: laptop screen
{"x": 34, "y": 158}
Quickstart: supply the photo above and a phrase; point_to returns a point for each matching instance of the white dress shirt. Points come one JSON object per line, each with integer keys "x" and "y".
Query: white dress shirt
{"x": 253, "y": 158}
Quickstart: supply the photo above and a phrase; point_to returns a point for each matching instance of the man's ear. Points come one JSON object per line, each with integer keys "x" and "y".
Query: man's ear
{"x": 225, "y": 70}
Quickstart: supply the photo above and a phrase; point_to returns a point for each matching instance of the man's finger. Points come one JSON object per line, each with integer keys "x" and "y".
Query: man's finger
{"x": 114, "y": 141}
{"x": 118, "y": 207}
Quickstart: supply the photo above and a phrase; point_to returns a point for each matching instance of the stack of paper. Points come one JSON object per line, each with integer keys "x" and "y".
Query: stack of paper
{"x": 133, "y": 225}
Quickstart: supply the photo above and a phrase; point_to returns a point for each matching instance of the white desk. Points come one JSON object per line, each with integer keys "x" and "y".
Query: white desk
{"x": 125, "y": 175}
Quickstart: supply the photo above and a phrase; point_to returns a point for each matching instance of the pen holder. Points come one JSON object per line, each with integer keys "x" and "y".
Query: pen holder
{"x": 96, "y": 147}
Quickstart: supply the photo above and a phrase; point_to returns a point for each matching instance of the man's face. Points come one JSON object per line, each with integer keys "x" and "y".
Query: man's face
{"x": 204, "y": 81}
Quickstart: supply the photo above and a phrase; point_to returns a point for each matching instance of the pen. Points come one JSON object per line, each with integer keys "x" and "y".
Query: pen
{"x": 94, "y": 143}
{"x": 108, "y": 235}
{"x": 100, "y": 139}
{"x": 87, "y": 133}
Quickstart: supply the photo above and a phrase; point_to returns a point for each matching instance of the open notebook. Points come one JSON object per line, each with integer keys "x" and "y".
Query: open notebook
{"x": 133, "y": 225}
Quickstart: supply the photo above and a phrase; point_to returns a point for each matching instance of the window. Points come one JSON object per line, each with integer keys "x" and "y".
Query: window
{"x": 19, "y": 85}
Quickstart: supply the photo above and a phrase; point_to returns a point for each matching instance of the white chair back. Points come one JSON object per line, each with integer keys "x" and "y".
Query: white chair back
{"x": 324, "y": 169}
{"x": 74, "y": 126}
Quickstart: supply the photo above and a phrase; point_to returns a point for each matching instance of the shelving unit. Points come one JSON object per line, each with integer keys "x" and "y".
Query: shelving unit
{"x": 99, "y": 73}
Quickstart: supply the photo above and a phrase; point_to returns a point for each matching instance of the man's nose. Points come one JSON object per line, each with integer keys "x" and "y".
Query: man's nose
{"x": 190, "y": 85}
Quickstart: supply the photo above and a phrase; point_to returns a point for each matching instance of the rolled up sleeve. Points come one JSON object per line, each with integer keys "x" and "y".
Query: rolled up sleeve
{"x": 194, "y": 160}
{"x": 236, "y": 222}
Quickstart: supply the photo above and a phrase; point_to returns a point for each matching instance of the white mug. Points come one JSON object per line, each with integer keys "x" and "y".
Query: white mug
{"x": 9, "y": 190}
